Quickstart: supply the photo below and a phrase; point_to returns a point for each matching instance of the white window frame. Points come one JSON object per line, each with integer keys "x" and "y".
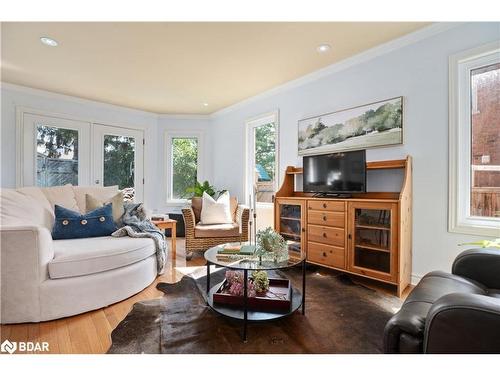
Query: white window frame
{"x": 460, "y": 66}
{"x": 250, "y": 125}
{"x": 200, "y": 172}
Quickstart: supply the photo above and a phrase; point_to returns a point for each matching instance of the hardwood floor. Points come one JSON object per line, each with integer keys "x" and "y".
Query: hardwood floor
{"x": 90, "y": 333}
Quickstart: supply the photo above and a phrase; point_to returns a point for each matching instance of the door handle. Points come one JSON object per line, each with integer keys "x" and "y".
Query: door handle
{"x": 97, "y": 182}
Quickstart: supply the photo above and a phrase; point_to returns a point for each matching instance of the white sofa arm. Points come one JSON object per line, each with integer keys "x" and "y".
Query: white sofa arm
{"x": 25, "y": 253}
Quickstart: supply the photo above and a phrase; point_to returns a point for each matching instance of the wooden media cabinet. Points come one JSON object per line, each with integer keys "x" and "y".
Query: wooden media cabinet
{"x": 368, "y": 234}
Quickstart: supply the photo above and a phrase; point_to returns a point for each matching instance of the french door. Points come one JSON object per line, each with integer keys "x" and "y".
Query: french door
{"x": 57, "y": 151}
{"x": 118, "y": 159}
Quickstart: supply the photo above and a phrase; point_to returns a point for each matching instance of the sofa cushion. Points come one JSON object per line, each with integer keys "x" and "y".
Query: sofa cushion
{"x": 91, "y": 203}
{"x": 62, "y": 196}
{"x": 26, "y": 206}
{"x": 197, "y": 203}
{"x": 103, "y": 194}
{"x": 78, "y": 257}
{"x": 216, "y": 230}
{"x": 71, "y": 224}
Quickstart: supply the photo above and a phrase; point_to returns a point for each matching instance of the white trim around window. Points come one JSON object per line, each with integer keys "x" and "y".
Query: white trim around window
{"x": 460, "y": 219}
{"x": 169, "y": 135}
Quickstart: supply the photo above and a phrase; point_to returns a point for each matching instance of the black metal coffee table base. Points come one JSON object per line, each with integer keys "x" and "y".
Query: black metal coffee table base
{"x": 246, "y": 315}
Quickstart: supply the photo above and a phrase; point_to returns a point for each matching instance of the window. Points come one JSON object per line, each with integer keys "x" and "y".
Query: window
{"x": 262, "y": 139}
{"x": 475, "y": 141}
{"x": 183, "y": 161}
{"x": 56, "y": 156}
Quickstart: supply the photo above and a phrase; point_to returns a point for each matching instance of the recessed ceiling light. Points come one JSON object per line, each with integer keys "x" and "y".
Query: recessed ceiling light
{"x": 205, "y": 104}
{"x": 322, "y": 48}
{"x": 48, "y": 41}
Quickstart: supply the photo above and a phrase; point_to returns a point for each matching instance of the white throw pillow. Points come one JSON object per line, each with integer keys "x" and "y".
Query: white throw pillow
{"x": 62, "y": 196}
{"x": 216, "y": 212}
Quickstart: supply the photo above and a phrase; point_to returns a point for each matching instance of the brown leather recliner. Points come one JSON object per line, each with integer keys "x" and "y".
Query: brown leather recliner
{"x": 451, "y": 313}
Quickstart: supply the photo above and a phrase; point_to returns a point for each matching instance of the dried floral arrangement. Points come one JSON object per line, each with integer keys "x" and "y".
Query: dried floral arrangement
{"x": 271, "y": 244}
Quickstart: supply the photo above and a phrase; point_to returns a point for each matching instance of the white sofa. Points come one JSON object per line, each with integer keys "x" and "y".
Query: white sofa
{"x": 44, "y": 279}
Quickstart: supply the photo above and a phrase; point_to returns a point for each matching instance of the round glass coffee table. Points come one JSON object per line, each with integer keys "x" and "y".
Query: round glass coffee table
{"x": 254, "y": 263}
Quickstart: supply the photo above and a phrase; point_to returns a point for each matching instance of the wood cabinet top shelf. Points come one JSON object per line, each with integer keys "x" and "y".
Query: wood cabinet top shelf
{"x": 370, "y": 165}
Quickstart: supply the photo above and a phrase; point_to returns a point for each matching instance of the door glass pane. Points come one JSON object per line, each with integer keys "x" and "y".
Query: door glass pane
{"x": 290, "y": 225}
{"x": 184, "y": 166}
{"x": 57, "y": 156}
{"x": 119, "y": 159}
{"x": 265, "y": 161}
{"x": 485, "y": 155}
{"x": 372, "y": 241}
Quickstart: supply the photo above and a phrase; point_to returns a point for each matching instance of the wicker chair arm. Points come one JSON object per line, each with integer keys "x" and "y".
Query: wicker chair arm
{"x": 189, "y": 221}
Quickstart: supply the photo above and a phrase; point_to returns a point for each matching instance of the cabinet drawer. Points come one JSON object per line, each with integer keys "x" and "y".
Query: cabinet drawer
{"x": 326, "y": 235}
{"x": 325, "y": 205}
{"x": 326, "y": 218}
{"x": 325, "y": 254}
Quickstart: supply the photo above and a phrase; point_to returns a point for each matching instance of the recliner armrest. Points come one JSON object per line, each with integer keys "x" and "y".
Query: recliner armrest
{"x": 482, "y": 265}
{"x": 463, "y": 323}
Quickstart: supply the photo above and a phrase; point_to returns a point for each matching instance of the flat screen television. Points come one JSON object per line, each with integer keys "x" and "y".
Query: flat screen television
{"x": 339, "y": 173}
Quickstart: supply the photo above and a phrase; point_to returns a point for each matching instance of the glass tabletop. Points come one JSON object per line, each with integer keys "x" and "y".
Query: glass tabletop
{"x": 251, "y": 262}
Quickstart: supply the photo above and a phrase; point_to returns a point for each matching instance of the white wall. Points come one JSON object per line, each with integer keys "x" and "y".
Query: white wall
{"x": 419, "y": 72}
{"x": 153, "y": 126}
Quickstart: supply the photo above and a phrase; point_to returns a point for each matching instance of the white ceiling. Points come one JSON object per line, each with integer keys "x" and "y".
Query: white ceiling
{"x": 176, "y": 67}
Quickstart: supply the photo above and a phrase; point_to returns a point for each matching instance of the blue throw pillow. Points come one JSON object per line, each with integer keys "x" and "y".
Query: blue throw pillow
{"x": 72, "y": 224}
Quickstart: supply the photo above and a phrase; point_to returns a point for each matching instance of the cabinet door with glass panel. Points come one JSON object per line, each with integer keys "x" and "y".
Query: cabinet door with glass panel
{"x": 373, "y": 242}
{"x": 289, "y": 222}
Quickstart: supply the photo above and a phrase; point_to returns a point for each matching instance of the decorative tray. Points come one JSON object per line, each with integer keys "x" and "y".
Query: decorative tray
{"x": 277, "y": 298}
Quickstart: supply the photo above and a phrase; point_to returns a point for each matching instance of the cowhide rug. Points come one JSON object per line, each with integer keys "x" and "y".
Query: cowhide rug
{"x": 341, "y": 317}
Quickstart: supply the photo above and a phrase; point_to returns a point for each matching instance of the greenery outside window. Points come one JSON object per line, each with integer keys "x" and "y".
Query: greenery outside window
{"x": 183, "y": 165}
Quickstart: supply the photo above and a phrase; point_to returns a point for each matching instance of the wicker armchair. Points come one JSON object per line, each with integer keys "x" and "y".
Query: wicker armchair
{"x": 198, "y": 238}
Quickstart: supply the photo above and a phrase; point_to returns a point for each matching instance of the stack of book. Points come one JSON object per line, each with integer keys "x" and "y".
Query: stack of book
{"x": 234, "y": 251}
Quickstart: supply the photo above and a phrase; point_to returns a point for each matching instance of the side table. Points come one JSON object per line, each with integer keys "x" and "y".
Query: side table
{"x": 169, "y": 224}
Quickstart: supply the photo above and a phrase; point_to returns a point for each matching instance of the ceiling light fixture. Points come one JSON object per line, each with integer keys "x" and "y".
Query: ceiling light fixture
{"x": 322, "y": 48}
{"x": 48, "y": 41}
{"x": 205, "y": 104}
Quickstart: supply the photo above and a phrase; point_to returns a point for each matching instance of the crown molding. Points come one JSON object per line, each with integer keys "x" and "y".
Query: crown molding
{"x": 182, "y": 116}
{"x": 74, "y": 99}
{"x": 349, "y": 62}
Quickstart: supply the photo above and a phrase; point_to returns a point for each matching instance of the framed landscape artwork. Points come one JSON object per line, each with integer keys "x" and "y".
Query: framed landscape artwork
{"x": 371, "y": 125}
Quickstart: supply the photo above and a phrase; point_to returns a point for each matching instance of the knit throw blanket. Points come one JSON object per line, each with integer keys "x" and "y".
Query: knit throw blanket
{"x": 135, "y": 224}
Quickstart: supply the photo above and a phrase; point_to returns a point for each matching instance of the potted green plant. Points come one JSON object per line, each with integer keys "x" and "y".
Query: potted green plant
{"x": 199, "y": 188}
